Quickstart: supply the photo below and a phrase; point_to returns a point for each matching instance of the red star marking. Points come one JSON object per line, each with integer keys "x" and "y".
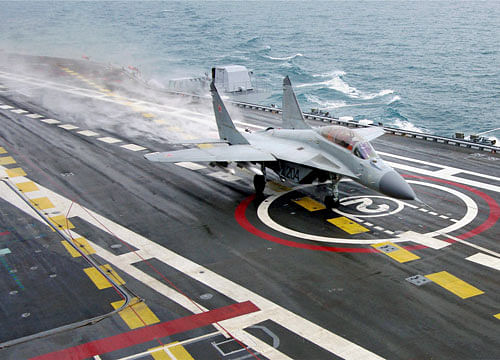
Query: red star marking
{"x": 220, "y": 108}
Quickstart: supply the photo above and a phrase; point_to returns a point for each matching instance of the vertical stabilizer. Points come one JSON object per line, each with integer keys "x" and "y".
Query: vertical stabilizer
{"x": 227, "y": 130}
{"x": 292, "y": 115}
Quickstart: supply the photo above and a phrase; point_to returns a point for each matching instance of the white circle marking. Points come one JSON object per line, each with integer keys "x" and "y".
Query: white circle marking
{"x": 263, "y": 215}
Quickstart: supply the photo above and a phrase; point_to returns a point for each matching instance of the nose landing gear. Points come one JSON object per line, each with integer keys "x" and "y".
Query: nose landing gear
{"x": 332, "y": 200}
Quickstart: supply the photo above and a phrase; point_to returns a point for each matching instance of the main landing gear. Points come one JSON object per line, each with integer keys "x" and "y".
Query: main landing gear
{"x": 259, "y": 182}
{"x": 333, "y": 200}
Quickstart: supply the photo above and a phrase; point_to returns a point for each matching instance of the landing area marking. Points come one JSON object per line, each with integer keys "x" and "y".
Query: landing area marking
{"x": 365, "y": 204}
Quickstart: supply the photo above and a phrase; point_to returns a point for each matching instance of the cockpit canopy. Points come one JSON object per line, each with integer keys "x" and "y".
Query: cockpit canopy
{"x": 349, "y": 139}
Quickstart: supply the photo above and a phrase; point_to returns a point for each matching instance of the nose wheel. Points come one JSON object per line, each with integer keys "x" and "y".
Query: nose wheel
{"x": 332, "y": 201}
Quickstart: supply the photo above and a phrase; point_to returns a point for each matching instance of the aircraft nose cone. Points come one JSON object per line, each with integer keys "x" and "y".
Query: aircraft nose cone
{"x": 393, "y": 184}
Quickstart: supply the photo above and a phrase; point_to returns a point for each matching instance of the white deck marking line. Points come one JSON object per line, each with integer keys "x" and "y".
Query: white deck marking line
{"x": 368, "y": 224}
{"x": 480, "y": 248}
{"x": 269, "y": 310}
{"x": 447, "y": 172}
{"x": 389, "y": 232}
{"x": 422, "y": 239}
{"x": 433, "y": 213}
{"x": 34, "y": 116}
{"x": 6, "y": 107}
{"x": 68, "y": 127}
{"x": 222, "y": 175}
{"x": 486, "y": 260}
{"x": 423, "y": 210}
{"x": 379, "y": 228}
{"x": 133, "y": 147}
{"x": 50, "y": 121}
{"x": 109, "y": 140}
{"x": 19, "y": 111}
{"x": 87, "y": 133}
{"x": 444, "y": 217}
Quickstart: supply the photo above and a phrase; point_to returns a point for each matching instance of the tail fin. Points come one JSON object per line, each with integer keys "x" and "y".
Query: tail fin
{"x": 292, "y": 115}
{"x": 227, "y": 130}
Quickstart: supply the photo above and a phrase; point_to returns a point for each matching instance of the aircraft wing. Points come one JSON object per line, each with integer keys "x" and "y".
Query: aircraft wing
{"x": 370, "y": 133}
{"x": 216, "y": 153}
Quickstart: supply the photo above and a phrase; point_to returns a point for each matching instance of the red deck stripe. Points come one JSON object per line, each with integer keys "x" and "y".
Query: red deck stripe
{"x": 149, "y": 333}
{"x": 4, "y": 233}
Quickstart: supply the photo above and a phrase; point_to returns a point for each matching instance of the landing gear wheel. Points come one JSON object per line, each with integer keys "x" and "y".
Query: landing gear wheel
{"x": 259, "y": 182}
{"x": 331, "y": 202}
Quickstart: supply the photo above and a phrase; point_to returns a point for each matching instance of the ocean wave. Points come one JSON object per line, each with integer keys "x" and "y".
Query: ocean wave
{"x": 338, "y": 84}
{"x": 379, "y": 94}
{"x": 409, "y": 126}
{"x": 284, "y": 58}
{"x": 394, "y": 99}
{"x": 330, "y": 74}
{"x": 332, "y": 104}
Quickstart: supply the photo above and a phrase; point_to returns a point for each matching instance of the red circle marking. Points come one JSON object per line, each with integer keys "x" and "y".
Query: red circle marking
{"x": 240, "y": 216}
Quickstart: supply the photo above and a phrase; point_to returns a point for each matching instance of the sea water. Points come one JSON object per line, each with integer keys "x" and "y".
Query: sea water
{"x": 430, "y": 66}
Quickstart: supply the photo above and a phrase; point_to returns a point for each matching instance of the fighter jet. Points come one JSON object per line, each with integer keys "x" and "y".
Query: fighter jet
{"x": 297, "y": 152}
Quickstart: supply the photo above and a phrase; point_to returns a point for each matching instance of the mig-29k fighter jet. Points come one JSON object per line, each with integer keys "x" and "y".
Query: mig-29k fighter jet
{"x": 298, "y": 152}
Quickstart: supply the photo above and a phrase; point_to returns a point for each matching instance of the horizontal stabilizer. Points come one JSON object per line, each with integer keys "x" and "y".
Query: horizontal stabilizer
{"x": 200, "y": 141}
{"x": 218, "y": 153}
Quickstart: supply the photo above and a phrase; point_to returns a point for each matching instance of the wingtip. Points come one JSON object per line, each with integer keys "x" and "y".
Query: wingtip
{"x": 286, "y": 81}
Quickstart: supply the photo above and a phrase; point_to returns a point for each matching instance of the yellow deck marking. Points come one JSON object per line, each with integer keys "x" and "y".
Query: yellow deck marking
{"x": 278, "y": 187}
{"x": 148, "y": 115}
{"x": 310, "y": 204}
{"x": 70, "y": 249}
{"x": 99, "y": 280}
{"x": 348, "y": 225}
{"x": 27, "y": 186}
{"x": 401, "y": 255}
{"x": 454, "y": 284}
{"x": 159, "y": 354}
{"x": 205, "y": 146}
{"x": 136, "y": 315}
{"x": 174, "y": 128}
{"x": 82, "y": 244}
{"x": 179, "y": 352}
{"x": 497, "y": 316}
{"x": 15, "y": 172}
{"x": 160, "y": 121}
{"x": 7, "y": 160}
{"x": 61, "y": 222}
{"x": 42, "y": 203}
{"x": 2, "y": 150}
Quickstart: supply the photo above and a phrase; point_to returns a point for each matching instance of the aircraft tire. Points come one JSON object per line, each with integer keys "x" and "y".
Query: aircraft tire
{"x": 259, "y": 182}
{"x": 331, "y": 203}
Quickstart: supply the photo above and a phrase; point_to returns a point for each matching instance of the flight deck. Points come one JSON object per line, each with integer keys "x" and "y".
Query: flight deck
{"x": 105, "y": 255}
